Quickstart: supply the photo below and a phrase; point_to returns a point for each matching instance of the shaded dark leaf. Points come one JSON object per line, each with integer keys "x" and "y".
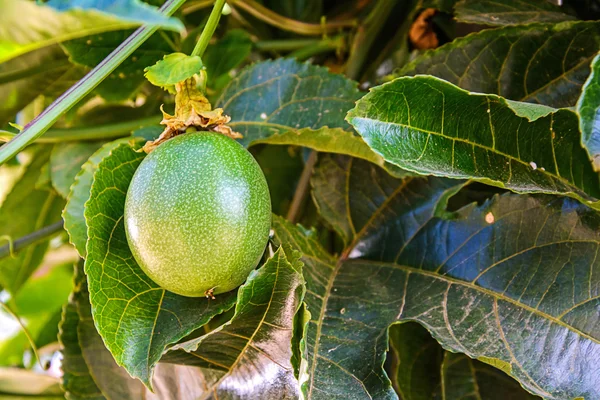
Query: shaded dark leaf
{"x": 512, "y": 282}
{"x": 509, "y": 12}
{"x": 539, "y": 63}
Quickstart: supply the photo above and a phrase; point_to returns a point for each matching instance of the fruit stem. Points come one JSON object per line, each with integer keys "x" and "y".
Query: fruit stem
{"x": 83, "y": 87}
{"x": 209, "y": 29}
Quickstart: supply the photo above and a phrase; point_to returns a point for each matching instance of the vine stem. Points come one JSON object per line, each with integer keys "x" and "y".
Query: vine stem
{"x": 27, "y": 240}
{"x": 209, "y": 28}
{"x": 106, "y": 131}
{"x": 67, "y": 100}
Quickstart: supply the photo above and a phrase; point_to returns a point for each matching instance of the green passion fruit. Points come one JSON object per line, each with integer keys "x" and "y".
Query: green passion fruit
{"x": 198, "y": 214}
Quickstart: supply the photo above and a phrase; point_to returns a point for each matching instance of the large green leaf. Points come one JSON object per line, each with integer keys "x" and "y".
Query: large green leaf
{"x": 29, "y": 34}
{"x": 541, "y": 63}
{"x": 80, "y": 193}
{"x": 124, "y": 81}
{"x": 136, "y": 318}
{"x": 422, "y": 370}
{"x": 514, "y": 282}
{"x": 429, "y": 126}
{"x": 25, "y": 210}
{"x": 276, "y": 97}
{"x": 66, "y": 160}
{"x": 588, "y": 108}
{"x": 255, "y": 345}
{"x": 509, "y": 12}
{"x": 91, "y": 371}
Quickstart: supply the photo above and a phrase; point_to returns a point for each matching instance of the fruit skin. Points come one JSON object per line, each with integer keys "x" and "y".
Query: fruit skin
{"x": 198, "y": 214}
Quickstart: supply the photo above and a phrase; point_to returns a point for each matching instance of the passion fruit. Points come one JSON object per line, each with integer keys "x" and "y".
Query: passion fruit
{"x": 198, "y": 214}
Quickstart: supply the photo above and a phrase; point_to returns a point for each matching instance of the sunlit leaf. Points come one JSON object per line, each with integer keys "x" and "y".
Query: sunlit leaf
{"x": 255, "y": 345}
{"x": 429, "y": 126}
{"x": 588, "y": 108}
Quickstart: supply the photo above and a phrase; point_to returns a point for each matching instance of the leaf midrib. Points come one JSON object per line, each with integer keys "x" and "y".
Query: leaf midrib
{"x": 484, "y": 147}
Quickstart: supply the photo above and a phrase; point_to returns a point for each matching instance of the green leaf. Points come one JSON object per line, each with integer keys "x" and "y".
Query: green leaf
{"x": 38, "y": 304}
{"x": 124, "y": 81}
{"x": 25, "y": 210}
{"x": 588, "y": 108}
{"x": 46, "y": 71}
{"x": 66, "y": 160}
{"x": 513, "y": 282}
{"x": 509, "y": 12}
{"x": 136, "y": 318}
{"x": 276, "y": 97}
{"x": 330, "y": 140}
{"x": 90, "y": 370}
{"x": 80, "y": 193}
{"x": 429, "y": 126}
{"x": 77, "y": 382}
{"x": 173, "y": 68}
{"x": 255, "y": 345}
{"x": 29, "y": 34}
{"x": 134, "y": 11}
{"x": 417, "y": 358}
{"x": 540, "y": 63}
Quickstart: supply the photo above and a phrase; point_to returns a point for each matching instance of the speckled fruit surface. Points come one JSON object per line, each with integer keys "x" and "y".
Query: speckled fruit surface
{"x": 198, "y": 214}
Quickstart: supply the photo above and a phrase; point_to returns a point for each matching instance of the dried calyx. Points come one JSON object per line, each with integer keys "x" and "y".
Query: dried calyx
{"x": 193, "y": 112}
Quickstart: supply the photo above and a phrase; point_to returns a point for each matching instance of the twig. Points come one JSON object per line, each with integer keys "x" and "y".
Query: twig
{"x": 302, "y": 188}
{"x": 83, "y": 87}
{"x": 287, "y": 24}
{"x": 28, "y": 240}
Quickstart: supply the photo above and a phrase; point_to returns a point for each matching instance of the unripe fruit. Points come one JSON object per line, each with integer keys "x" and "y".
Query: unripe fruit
{"x": 198, "y": 214}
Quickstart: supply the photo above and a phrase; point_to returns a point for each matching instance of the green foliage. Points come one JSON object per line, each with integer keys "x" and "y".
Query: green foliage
{"x": 538, "y": 63}
{"x": 25, "y": 210}
{"x": 127, "y": 305}
{"x": 258, "y": 338}
{"x": 409, "y": 260}
{"x": 173, "y": 68}
{"x": 477, "y": 280}
{"x": 436, "y": 128}
{"x": 588, "y": 108}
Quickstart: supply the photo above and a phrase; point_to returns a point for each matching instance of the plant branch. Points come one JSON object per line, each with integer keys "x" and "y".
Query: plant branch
{"x": 209, "y": 28}
{"x": 323, "y": 46}
{"x": 88, "y": 133}
{"x": 67, "y": 100}
{"x": 302, "y": 188}
{"x": 32, "y": 238}
{"x": 287, "y": 24}
{"x": 366, "y": 35}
